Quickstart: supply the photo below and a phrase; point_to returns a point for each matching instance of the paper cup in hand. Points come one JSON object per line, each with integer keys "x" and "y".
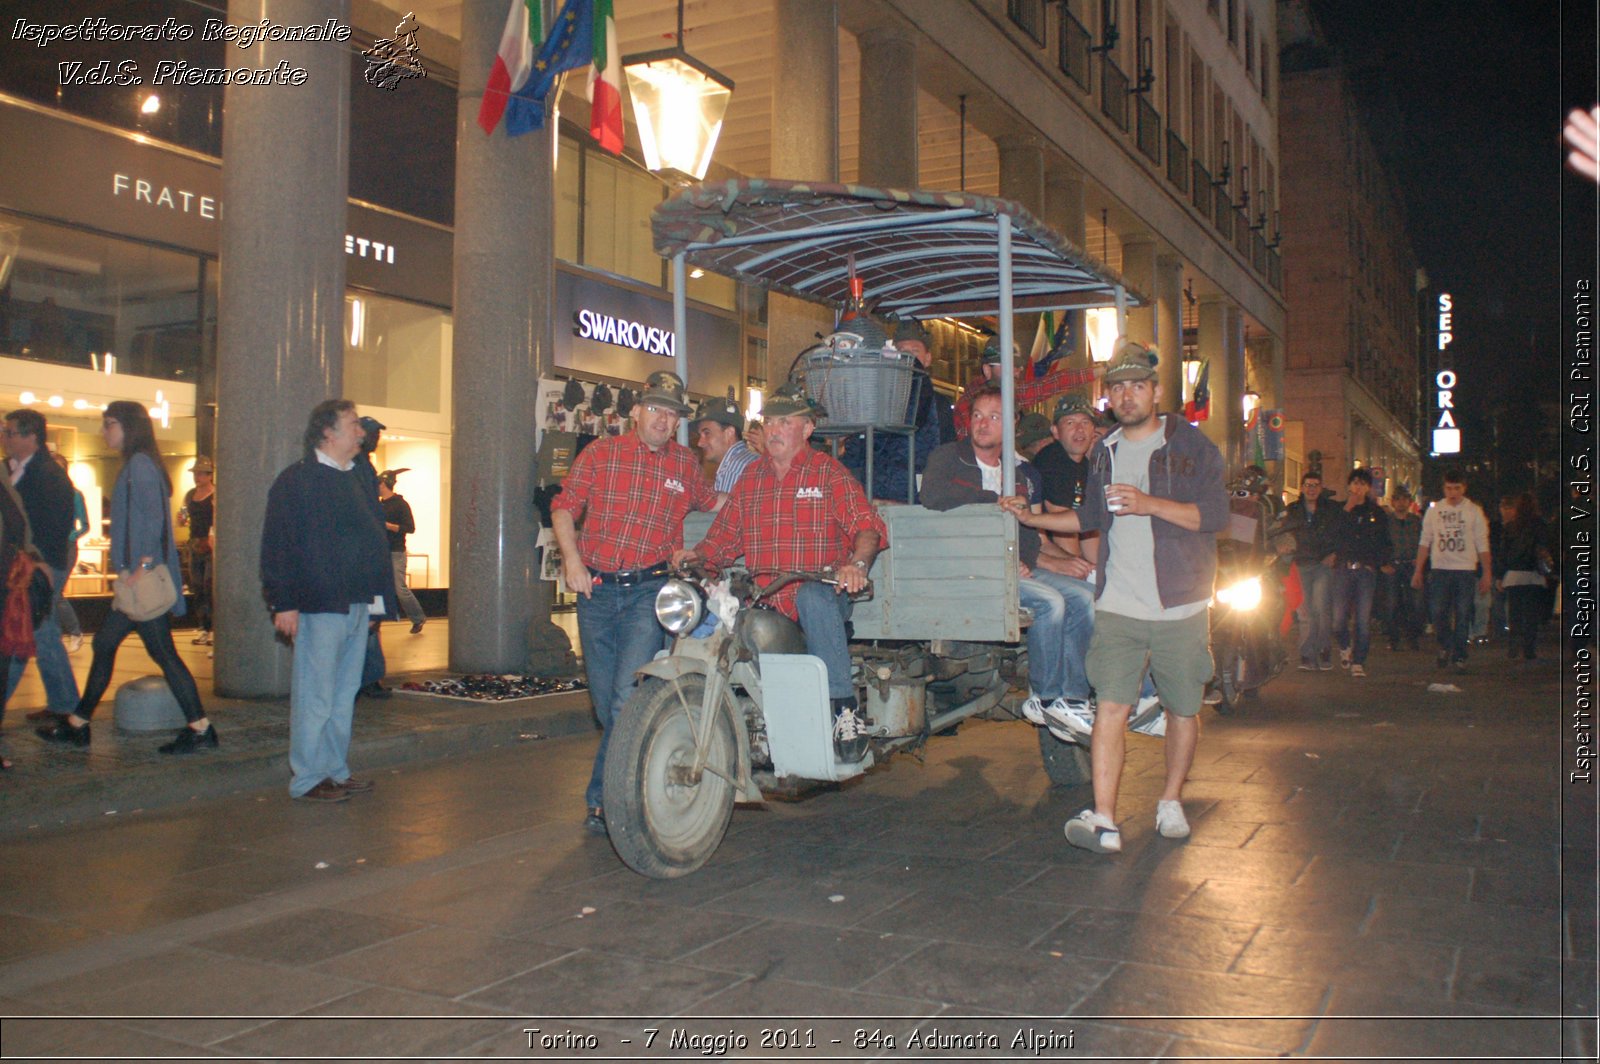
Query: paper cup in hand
{"x": 1113, "y": 502}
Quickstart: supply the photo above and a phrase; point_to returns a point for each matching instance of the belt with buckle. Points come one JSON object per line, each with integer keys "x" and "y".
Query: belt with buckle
{"x": 1357, "y": 565}
{"x": 630, "y": 577}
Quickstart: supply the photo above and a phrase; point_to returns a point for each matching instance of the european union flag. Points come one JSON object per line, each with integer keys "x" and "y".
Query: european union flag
{"x": 569, "y": 45}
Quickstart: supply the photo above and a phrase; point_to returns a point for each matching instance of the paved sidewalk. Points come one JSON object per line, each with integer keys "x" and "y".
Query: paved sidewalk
{"x": 52, "y": 786}
{"x": 1376, "y": 872}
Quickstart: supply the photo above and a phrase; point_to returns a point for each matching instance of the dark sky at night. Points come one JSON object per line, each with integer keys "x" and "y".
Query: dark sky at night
{"x": 1464, "y": 102}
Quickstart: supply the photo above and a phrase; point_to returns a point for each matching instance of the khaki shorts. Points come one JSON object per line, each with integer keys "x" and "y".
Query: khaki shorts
{"x": 1178, "y": 652}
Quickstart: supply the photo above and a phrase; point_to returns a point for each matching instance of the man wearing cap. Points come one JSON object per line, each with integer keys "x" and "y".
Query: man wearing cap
{"x": 718, "y": 429}
{"x": 1156, "y": 495}
{"x": 46, "y": 494}
{"x": 970, "y": 471}
{"x": 798, "y": 508}
{"x": 929, "y": 412}
{"x": 198, "y": 515}
{"x": 632, "y": 493}
{"x": 399, "y": 523}
{"x": 1032, "y": 435}
{"x": 1027, "y": 392}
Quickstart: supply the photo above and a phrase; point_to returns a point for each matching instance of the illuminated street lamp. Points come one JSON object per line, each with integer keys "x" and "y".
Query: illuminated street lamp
{"x": 678, "y": 104}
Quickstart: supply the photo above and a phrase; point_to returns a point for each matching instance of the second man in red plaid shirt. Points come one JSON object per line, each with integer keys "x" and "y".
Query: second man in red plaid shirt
{"x": 632, "y": 493}
{"x": 797, "y": 508}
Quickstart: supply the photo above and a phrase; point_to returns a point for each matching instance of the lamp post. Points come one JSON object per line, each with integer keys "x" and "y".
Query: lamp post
{"x": 678, "y": 105}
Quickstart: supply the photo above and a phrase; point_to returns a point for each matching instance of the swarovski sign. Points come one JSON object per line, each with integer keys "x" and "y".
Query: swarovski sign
{"x": 592, "y": 325}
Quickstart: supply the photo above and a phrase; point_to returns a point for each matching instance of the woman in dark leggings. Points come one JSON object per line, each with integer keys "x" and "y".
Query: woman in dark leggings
{"x": 1517, "y": 571}
{"x": 141, "y": 539}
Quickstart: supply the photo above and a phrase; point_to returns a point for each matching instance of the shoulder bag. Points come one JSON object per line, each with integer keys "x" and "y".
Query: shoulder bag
{"x": 149, "y": 594}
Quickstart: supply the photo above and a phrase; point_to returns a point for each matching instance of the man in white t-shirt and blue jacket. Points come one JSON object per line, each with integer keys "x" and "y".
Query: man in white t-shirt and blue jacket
{"x": 1156, "y": 496}
{"x": 1455, "y": 536}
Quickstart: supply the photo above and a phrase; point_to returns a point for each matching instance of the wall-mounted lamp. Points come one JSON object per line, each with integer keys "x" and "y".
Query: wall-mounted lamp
{"x": 678, "y": 105}
{"x": 1224, "y": 174}
{"x": 1147, "y": 66}
{"x": 1108, "y": 28}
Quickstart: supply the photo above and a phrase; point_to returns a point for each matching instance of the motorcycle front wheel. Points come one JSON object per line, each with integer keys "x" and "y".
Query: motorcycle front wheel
{"x": 1230, "y": 677}
{"x": 665, "y": 821}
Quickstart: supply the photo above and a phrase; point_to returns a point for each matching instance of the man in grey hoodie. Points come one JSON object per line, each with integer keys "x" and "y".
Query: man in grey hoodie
{"x": 1156, "y": 496}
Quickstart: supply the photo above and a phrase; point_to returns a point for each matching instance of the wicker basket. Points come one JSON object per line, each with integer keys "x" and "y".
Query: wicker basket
{"x": 863, "y": 389}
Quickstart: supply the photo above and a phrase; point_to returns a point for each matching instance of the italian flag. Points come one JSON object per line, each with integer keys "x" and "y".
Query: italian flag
{"x": 514, "y": 61}
{"x": 605, "y": 81}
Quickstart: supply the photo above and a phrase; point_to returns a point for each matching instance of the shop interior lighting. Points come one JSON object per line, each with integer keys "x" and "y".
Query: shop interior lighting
{"x": 358, "y": 321}
{"x": 752, "y": 407}
{"x": 1252, "y": 402}
{"x": 27, "y": 398}
{"x": 151, "y": 104}
{"x": 57, "y": 401}
{"x": 678, "y": 106}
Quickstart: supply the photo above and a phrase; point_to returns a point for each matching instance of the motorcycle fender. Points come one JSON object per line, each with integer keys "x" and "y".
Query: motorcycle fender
{"x": 675, "y": 667}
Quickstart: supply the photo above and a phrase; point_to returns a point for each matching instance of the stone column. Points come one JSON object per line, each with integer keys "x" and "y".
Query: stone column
{"x": 1233, "y": 396}
{"x": 1214, "y": 349}
{"x": 805, "y": 147}
{"x": 1168, "y": 294}
{"x": 1139, "y": 270}
{"x": 888, "y": 108}
{"x": 1063, "y": 212}
{"x": 285, "y": 185}
{"x": 504, "y": 229}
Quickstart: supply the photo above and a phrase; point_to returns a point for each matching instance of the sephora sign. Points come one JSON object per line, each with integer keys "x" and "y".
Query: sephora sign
{"x": 1446, "y": 434}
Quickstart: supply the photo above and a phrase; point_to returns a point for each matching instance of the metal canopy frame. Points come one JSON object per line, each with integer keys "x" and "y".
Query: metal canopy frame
{"x": 921, "y": 254}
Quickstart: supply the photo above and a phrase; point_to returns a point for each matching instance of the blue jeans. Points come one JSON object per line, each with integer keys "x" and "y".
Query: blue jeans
{"x": 55, "y": 668}
{"x": 822, "y": 618}
{"x": 1451, "y": 597}
{"x": 1352, "y": 609}
{"x": 1058, "y": 640}
{"x": 619, "y": 633}
{"x": 328, "y": 654}
{"x": 1316, "y": 609}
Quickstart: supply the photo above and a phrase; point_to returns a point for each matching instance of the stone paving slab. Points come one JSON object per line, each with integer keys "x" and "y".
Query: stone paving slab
{"x": 465, "y": 894}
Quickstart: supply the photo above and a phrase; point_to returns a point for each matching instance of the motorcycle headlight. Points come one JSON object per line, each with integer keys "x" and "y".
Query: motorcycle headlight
{"x": 679, "y": 606}
{"x": 1244, "y": 595}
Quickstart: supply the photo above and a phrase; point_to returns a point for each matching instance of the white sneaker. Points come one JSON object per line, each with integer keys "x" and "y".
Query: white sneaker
{"x": 1148, "y": 717}
{"x": 1170, "y": 820}
{"x": 1093, "y": 832}
{"x": 1065, "y": 736}
{"x": 1075, "y": 715}
{"x": 1032, "y": 711}
{"x": 1357, "y": 670}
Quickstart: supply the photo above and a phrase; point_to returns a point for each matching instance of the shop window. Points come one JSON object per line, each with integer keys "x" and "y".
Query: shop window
{"x": 77, "y": 299}
{"x": 617, "y": 202}
{"x": 394, "y": 352}
{"x": 569, "y": 198}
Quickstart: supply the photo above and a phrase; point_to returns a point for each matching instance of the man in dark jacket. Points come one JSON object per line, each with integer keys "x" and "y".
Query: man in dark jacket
{"x": 1403, "y": 605}
{"x": 1309, "y": 518}
{"x": 46, "y": 495}
{"x": 1362, "y": 549}
{"x": 325, "y": 572}
{"x": 970, "y": 471}
{"x": 1156, "y": 495}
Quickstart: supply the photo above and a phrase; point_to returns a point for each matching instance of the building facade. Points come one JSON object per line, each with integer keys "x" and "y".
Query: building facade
{"x": 1352, "y": 373}
{"x": 243, "y": 253}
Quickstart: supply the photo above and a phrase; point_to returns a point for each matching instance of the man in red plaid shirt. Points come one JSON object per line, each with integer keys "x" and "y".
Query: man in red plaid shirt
{"x": 632, "y": 493}
{"x": 797, "y": 508}
{"x": 1027, "y": 393}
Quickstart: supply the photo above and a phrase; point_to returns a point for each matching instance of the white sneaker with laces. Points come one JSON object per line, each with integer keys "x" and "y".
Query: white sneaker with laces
{"x": 1032, "y": 711}
{"x": 849, "y": 734}
{"x": 1357, "y": 670}
{"x": 1148, "y": 717}
{"x": 1170, "y": 820}
{"x": 1073, "y": 714}
{"x": 1093, "y": 832}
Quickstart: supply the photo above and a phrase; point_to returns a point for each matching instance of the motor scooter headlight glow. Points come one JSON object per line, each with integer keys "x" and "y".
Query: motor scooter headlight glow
{"x": 1244, "y": 595}
{"x": 679, "y": 606}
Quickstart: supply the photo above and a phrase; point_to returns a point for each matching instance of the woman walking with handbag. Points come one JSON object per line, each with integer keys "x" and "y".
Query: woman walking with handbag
{"x": 148, "y": 579}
